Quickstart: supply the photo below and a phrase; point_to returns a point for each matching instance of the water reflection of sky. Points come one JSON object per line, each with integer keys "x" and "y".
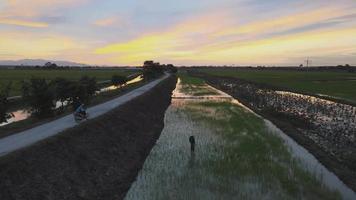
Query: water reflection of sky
{"x": 113, "y": 87}
{"x": 16, "y": 116}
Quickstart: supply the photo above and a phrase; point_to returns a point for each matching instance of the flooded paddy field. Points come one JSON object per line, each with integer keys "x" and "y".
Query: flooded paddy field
{"x": 238, "y": 155}
{"x": 325, "y": 128}
{"x": 339, "y": 85}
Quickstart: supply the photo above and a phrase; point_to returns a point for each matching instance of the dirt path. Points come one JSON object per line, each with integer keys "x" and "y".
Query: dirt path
{"x": 96, "y": 160}
{"x": 26, "y": 138}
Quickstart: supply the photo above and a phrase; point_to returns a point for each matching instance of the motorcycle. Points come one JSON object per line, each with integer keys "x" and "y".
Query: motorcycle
{"x": 79, "y": 117}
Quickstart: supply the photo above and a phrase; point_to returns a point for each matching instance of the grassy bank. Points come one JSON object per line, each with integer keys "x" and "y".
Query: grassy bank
{"x": 194, "y": 86}
{"x": 250, "y": 153}
{"x": 335, "y": 84}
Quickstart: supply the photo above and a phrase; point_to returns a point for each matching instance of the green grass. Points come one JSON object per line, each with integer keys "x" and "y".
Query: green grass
{"x": 189, "y": 80}
{"x": 336, "y": 84}
{"x": 15, "y": 76}
{"x": 194, "y": 86}
{"x": 236, "y": 157}
{"x": 251, "y": 153}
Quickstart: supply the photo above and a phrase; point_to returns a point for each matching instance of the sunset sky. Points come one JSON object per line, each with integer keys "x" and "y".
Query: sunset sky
{"x": 182, "y": 32}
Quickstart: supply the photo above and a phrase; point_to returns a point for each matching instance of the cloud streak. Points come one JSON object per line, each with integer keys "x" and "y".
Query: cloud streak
{"x": 23, "y": 23}
{"x": 32, "y": 8}
{"x": 29, "y": 13}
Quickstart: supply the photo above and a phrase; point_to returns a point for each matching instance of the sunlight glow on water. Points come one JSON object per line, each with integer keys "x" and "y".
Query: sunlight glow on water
{"x": 16, "y": 116}
{"x": 113, "y": 87}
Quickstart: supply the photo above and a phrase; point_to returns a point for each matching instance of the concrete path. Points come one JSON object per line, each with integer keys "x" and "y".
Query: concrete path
{"x": 26, "y": 138}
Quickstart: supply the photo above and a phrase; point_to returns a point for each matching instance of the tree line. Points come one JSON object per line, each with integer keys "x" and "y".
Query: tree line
{"x": 41, "y": 96}
{"x": 153, "y": 69}
{"x": 45, "y": 98}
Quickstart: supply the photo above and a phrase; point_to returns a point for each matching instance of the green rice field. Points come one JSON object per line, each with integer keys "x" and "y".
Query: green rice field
{"x": 339, "y": 85}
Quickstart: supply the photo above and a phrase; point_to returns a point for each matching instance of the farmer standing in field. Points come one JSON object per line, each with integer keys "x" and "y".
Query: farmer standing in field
{"x": 192, "y": 144}
{"x": 192, "y": 154}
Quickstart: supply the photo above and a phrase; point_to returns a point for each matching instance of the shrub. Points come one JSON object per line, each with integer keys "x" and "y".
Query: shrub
{"x": 4, "y": 94}
{"x": 171, "y": 69}
{"x": 84, "y": 90}
{"x": 152, "y": 70}
{"x": 64, "y": 90}
{"x": 39, "y": 96}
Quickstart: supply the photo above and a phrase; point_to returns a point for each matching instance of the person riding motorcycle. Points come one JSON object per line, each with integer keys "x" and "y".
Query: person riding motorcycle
{"x": 80, "y": 113}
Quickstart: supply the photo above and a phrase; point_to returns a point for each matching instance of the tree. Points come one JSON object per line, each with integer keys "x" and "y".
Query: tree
{"x": 64, "y": 90}
{"x": 50, "y": 65}
{"x": 4, "y": 102}
{"x": 86, "y": 89}
{"x": 171, "y": 69}
{"x": 152, "y": 70}
{"x": 118, "y": 80}
{"x": 39, "y": 96}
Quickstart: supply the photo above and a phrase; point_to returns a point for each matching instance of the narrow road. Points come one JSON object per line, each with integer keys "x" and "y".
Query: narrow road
{"x": 26, "y": 138}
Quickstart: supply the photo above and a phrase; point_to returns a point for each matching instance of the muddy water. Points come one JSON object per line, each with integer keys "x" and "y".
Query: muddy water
{"x": 172, "y": 172}
{"x": 22, "y": 114}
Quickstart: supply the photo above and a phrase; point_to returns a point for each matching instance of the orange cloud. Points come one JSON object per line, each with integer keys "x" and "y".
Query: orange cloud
{"x": 35, "y": 45}
{"x": 179, "y": 40}
{"x": 213, "y": 38}
{"x": 203, "y": 39}
{"x": 280, "y": 49}
{"x": 16, "y": 45}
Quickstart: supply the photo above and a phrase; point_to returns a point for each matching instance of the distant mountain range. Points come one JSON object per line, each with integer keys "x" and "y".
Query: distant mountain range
{"x": 38, "y": 62}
